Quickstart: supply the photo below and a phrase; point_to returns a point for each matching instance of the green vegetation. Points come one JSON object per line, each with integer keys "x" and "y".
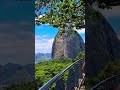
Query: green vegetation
{"x": 44, "y": 71}
{"x": 60, "y": 12}
{"x": 80, "y": 55}
{"x": 62, "y": 31}
{"x": 110, "y": 70}
{"x": 48, "y": 69}
{"x": 73, "y": 32}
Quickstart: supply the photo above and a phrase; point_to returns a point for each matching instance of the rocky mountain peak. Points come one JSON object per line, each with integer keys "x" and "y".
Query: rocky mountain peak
{"x": 67, "y": 43}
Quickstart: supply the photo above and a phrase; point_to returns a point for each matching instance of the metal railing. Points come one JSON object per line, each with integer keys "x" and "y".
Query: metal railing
{"x": 47, "y": 85}
{"x": 108, "y": 84}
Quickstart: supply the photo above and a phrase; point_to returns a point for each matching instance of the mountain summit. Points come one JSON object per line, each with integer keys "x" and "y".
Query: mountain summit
{"x": 67, "y": 43}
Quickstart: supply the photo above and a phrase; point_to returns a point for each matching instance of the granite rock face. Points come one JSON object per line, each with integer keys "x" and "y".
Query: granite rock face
{"x": 68, "y": 44}
{"x": 102, "y": 45}
{"x": 75, "y": 74}
{"x": 73, "y": 79}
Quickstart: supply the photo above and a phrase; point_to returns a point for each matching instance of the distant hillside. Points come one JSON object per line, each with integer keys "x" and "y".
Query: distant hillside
{"x": 15, "y": 73}
{"x": 42, "y": 56}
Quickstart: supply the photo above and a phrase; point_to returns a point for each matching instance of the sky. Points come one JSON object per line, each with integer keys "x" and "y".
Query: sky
{"x": 44, "y": 37}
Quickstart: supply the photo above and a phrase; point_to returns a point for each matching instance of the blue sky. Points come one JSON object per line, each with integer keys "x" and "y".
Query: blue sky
{"x": 44, "y": 36}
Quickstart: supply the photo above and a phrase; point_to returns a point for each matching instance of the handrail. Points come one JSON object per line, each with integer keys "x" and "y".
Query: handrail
{"x": 50, "y": 82}
{"x": 94, "y": 88}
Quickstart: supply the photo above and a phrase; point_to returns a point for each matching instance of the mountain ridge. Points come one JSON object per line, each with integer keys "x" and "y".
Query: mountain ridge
{"x": 9, "y": 72}
{"x": 42, "y": 57}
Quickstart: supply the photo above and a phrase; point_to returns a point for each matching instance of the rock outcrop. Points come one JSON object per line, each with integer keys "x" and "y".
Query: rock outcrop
{"x": 102, "y": 44}
{"x": 73, "y": 79}
{"x": 67, "y": 43}
{"x": 75, "y": 74}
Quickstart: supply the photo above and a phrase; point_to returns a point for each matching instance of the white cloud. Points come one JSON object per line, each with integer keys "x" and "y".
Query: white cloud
{"x": 43, "y": 44}
{"x": 80, "y": 31}
{"x": 40, "y": 16}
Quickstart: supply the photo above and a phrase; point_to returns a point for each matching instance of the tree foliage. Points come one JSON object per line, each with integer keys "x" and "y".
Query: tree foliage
{"x": 61, "y": 12}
